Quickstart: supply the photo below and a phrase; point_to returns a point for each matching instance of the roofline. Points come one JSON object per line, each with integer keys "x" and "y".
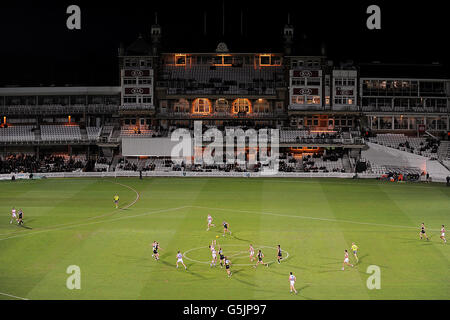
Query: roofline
{"x": 403, "y": 78}
{"x": 58, "y": 90}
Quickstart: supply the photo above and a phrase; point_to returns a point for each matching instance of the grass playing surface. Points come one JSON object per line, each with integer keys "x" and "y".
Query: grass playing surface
{"x": 74, "y": 222}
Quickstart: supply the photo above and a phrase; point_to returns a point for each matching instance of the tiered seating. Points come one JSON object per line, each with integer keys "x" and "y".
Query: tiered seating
{"x": 93, "y": 133}
{"x": 292, "y": 135}
{"x": 17, "y": 134}
{"x": 330, "y": 166}
{"x": 410, "y": 144}
{"x": 444, "y": 150}
{"x": 60, "y": 133}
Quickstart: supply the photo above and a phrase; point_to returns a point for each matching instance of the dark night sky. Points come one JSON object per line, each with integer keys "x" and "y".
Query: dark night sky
{"x": 37, "y": 48}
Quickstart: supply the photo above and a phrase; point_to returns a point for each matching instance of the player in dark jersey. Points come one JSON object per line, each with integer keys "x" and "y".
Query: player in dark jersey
{"x": 260, "y": 256}
{"x": 227, "y": 266}
{"x": 225, "y": 228}
{"x": 221, "y": 257}
{"x": 20, "y": 217}
{"x": 279, "y": 256}
{"x": 155, "y": 250}
{"x": 422, "y": 232}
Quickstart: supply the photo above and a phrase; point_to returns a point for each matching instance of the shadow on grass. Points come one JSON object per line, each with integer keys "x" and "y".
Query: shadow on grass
{"x": 240, "y": 239}
{"x": 244, "y": 282}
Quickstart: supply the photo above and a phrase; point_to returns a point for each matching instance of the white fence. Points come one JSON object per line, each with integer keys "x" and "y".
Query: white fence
{"x": 183, "y": 174}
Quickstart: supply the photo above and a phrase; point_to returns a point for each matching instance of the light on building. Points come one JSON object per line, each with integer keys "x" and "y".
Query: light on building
{"x": 70, "y": 119}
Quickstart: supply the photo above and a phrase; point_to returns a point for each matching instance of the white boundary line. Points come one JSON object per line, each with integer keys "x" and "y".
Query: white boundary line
{"x": 312, "y": 218}
{"x": 10, "y": 295}
{"x": 233, "y": 245}
{"x": 96, "y": 222}
{"x": 91, "y": 218}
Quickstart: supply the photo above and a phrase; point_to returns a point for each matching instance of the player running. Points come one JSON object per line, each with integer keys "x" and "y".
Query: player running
{"x": 443, "y": 234}
{"x": 156, "y": 247}
{"x": 221, "y": 257}
{"x": 227, "y": 266}
{"x": 13, "y": 215}
{"x": 252, "y": 253}
{"x": 180, "y": 260}
{"x": 260, "y": 259}
{"x": 292, "y": 280}
{"x": 355, "y": 251}
{"x": 423, "y": 233}
{"x": 210, "y": 224}
{"x": 346, "y": 261}
{"x": 279, "y": 256}
{"x": 225, "y": 228}
{"x": 116, "y": 201}
{"x": 20, "y": 219}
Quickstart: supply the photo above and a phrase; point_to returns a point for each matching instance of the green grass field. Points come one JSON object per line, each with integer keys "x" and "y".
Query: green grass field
{"x": 74, "y": 222}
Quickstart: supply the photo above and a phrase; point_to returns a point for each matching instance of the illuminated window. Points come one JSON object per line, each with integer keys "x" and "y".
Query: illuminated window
{"x": 264, "y": 60}
{"x": 180, "y": 60}
{"x": 312, "y": 100}
{"x": 298, "y": 99}
{"x": 201, "y": 105}
{"x": 350, "y": 101}
{"x": 242, "y": 105}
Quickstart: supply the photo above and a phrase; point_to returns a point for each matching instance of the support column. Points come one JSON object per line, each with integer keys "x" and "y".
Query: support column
{"x": 378, "y": 125}
{"x": 392, "y": 125}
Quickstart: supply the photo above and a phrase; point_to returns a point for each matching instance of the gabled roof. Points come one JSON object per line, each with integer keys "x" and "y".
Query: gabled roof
{"x": 139, "y": 47}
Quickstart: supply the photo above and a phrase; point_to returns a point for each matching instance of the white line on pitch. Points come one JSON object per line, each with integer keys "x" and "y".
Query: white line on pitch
{"x": 10, "y": 295}
{"x": 96, "y": 222}
{"x": 311, "y": 218}
{"x": 91, "y": 218}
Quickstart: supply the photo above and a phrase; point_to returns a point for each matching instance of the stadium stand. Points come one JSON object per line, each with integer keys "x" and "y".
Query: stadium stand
{"x": 60, "y": 133}
{"x": 93, "y": 133}
{"x": 17, "y": 134}
{"x": 427, "y": 147}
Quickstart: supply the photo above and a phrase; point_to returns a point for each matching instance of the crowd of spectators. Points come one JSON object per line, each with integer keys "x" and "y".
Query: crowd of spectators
{"x": 20, "y": 163}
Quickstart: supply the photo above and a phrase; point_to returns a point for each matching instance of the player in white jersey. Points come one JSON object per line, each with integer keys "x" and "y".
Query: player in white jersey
{"x": 443, "y": 234}
{"x": 210, "y": 224}
{"x": 13, "y": 215}
{"x": 346, "y": 260}
{"x": 292, "y": 280}
{"x": 252, "y": 252}
{"x": 214, "y": 256}
{"x": 180, "y": 259}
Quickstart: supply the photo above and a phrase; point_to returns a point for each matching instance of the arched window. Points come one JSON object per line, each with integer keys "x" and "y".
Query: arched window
{"x": 242, "y": 105}
{"x": 261, "y": 106}
{"x": 201, "y": 105}
{"x": 221, "y": 105}
{"x": 181, "y": 105}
